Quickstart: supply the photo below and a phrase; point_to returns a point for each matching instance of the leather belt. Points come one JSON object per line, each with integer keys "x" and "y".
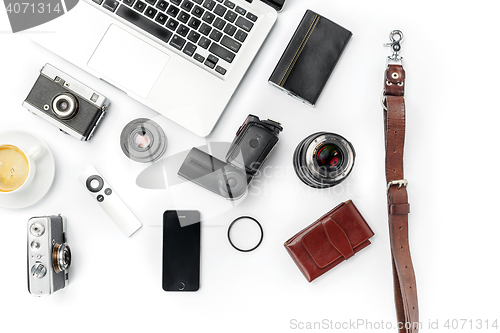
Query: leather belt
{"x": 405, "y": 288}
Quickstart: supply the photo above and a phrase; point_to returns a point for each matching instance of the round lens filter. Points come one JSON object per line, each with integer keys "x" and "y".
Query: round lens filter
{"x": 246, "y": 235}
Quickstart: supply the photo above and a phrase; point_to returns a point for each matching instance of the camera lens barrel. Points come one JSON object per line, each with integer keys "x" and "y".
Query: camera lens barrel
{"x": 323, "y": 159}
{"x": 65, "y": 105}
{"x": 143, "y": 140}
{"x": 61, "y": 257}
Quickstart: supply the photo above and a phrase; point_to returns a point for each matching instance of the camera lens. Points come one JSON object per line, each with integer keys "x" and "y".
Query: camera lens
{"x": 143, "y": 140}
{"x": 62, "y": 105}
{"x": 329, "y": 157}
{"x": 61, "y": 257}
{"x": 323, "y": 159}
{"x": 65, "y": 106}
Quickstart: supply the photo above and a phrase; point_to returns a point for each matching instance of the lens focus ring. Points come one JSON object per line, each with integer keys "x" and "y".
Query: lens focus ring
{"x": 61, "y": 257}
{"x": 65, "y": 106}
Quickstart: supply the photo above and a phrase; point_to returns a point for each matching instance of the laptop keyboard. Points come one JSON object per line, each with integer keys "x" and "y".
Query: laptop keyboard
{"x": 217, "y": 26}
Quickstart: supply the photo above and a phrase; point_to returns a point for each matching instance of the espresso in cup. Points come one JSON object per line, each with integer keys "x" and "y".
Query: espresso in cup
{"x": 14, "y": 168}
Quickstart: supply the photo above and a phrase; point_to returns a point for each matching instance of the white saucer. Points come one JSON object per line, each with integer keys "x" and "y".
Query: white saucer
{"x": 44, "y": 176}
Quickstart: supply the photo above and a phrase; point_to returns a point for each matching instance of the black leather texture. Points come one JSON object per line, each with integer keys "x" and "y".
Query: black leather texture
{"x": 310, "y": 57}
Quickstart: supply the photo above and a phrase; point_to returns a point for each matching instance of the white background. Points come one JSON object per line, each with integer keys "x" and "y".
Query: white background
{"x": 450, "y": 50}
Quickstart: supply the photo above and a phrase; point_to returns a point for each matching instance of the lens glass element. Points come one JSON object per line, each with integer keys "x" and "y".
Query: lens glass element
{"x": 330, "y": 157}
{"x": 142, "y": 139}
{"x": 65, "y": 105}
{"x": 66, "y": 257}
{"x": 62, "y": 105}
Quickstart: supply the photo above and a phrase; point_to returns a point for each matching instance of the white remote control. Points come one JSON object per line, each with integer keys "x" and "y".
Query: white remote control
{"x": 107, "y": 198}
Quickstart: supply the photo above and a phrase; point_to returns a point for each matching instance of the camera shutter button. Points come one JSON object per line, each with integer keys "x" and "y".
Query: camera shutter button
{"x": 35, "y": 245}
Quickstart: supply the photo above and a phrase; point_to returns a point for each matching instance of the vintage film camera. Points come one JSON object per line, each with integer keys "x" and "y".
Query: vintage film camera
{"x": 254, "y": 140}
{"x": 63, "y": 101}
{"x": 49, "y": 255}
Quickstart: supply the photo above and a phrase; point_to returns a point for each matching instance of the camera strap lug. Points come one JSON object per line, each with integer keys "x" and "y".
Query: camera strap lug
{"x": 393, "y": 102}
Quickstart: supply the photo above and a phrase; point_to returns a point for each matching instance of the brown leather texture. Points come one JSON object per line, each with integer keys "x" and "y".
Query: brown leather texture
{"x": 405, "y": 288}
{"x": 332, "y": 239}
{"x": 394, "y": 81}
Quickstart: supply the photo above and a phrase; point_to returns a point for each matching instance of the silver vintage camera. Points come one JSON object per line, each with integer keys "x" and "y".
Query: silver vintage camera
{"x": 49, "y": 255}
{"x": 63, "y": 101}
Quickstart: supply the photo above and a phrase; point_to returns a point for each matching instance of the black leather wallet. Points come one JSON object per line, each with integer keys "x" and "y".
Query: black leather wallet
{"x": 309, "y": 58}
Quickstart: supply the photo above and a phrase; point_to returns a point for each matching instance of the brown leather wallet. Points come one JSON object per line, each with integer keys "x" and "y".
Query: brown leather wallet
{"x": 333, "y": 238}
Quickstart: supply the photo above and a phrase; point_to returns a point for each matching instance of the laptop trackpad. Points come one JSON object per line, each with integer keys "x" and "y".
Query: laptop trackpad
{"x": 128, "y": 61}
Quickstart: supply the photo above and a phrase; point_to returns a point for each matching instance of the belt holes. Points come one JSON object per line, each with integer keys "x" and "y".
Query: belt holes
{"x": 410, "y": 287}
{"x": 395, "y": 132}
{"x": 401, "y": 247}
{"x": 400, "y": 228}
{"x": 406, "y": 266}
{"x": 394, "y": 152}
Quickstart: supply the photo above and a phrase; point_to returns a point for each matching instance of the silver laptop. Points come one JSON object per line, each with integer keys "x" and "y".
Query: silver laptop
{"x": 182, "y": 58}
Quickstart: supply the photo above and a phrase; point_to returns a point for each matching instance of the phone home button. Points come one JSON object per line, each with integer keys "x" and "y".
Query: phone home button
{"x": 181, "y": 286}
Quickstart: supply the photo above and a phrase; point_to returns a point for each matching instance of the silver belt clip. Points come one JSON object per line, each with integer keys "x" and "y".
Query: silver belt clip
{"x": 401, "y": 182}
{"x": 396, "y": 37}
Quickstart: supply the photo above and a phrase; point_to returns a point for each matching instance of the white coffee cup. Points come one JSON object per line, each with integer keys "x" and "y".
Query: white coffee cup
{"x": 32, "y": 154}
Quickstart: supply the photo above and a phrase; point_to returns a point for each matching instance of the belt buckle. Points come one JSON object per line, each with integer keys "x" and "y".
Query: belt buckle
{"x": 401, "y": 182}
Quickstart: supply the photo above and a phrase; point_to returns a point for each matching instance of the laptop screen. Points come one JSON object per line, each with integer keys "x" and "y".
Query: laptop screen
{"x": 276, "y": 4}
